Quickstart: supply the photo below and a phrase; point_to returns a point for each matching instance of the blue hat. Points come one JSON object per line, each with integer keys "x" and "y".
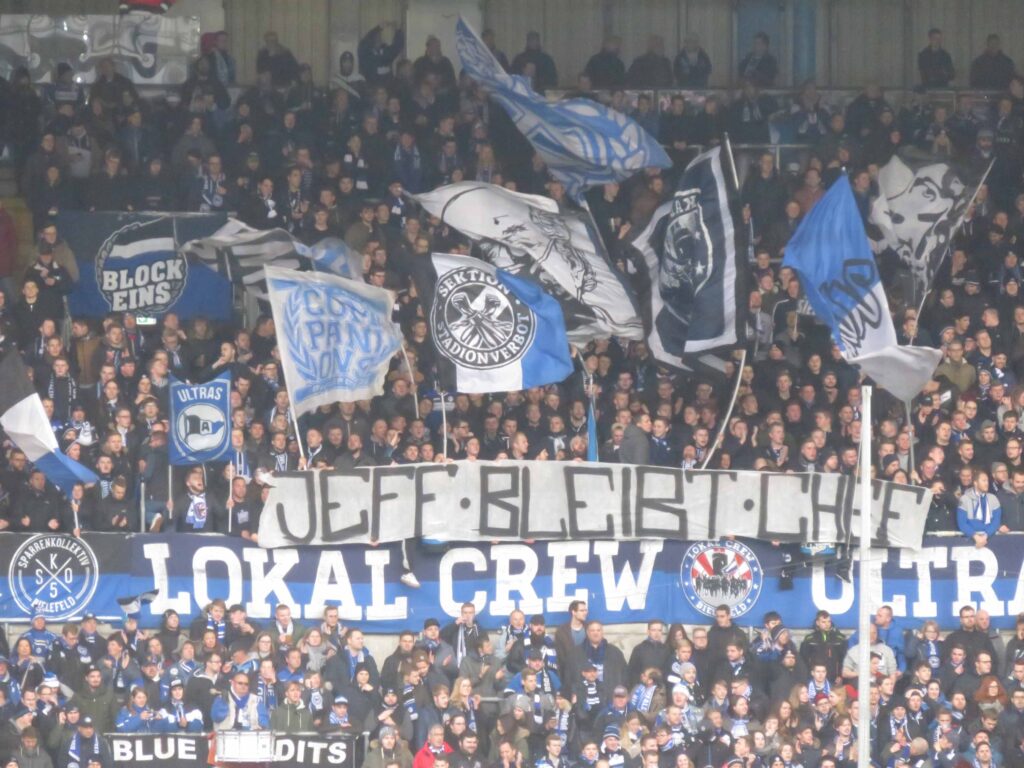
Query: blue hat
{"x": 339, "y": 699}
{"x": 612, "y": 730}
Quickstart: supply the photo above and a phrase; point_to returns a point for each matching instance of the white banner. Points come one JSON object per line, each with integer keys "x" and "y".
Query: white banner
{"x": 523, "y": 500}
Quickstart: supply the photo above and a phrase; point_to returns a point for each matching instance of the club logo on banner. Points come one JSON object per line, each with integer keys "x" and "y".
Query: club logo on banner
{"x": 139, "y": 268}
{"x": 478, "y": 322}
{"x": 53, "y": 575}
{"x": 199, "y": 420}
{"x": 721, "y": 573}
{"x": 688, "y": 249}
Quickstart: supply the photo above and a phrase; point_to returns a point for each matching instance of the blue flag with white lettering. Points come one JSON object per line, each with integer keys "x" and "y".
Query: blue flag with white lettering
{"x": 200, "y": 420}
{"x": 336, "y": 336}
{"x": 583, "y": 143}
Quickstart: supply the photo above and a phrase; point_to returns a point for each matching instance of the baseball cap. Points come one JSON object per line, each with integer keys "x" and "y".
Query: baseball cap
{"x": 431, "y": 623}
{"x": 339, "y": 699}
{"x": 86, "y": 722}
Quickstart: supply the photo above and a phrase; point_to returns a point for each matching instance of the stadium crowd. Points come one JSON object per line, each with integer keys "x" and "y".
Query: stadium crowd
{"x": 339, "y": 162}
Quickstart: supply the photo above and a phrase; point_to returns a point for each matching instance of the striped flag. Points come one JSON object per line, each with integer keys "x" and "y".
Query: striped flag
{"x": 240, "y": 252}
{"x": 26, "y": 424}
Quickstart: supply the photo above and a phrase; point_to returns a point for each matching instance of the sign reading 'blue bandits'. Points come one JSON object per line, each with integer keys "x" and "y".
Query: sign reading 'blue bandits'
{"x": 200, "y": 420}
{"x": 336, "y": 336}
{"x": 132, "y": 262}
{"x": 582, "y": 142}
{"x": 493, "y": 332}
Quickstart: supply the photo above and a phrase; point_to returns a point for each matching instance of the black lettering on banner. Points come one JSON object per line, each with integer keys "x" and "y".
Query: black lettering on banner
{"x": 820, "y": 506}
{"x": 574, "y": 505}
{"x": 526, "y": 531}
{"x": 498, "y": 498}
{"x": 379, "y": 475}
{"x": 890, "y": 511}
{"x": 625, "y": 500}
{"x": 669, "y": 504}
{"x": 763, "y": 521}
{"x": 282, "y": 513}
{"x": 327, "y": 504}
{"x": 691, "y": 477}
{"x": 422, "y": 498}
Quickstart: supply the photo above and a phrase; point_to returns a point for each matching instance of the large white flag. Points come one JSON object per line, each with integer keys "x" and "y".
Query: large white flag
{"x": 529, "y": 237}
{"x": 918, "y": 209}
{"x": 335, "y": 336}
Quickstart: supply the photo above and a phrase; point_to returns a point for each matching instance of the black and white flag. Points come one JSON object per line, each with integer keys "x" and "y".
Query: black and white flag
{"x": 239, "y": 252}
{"x": 919, "y": 207}
{"x": 690, "y": 249}
{"x": 561, "y": 251}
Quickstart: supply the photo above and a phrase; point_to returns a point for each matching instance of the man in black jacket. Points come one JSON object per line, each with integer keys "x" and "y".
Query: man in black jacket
{"x": 38, "y": 507}
{"x": 653, "y": 651}
{"x": 197, "y": 510}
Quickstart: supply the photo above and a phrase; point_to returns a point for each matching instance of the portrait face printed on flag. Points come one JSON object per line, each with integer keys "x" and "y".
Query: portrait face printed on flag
{"x": 925, "y": 209}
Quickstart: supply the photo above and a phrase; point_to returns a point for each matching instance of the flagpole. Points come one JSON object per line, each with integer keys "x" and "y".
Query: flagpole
{"x": 298, "y": 435}
{"x": 864, "y": 612}
{"x": 732, "y": 161}
{"x": 911, "y": 431}
{"x": 142, "y": 508}
{"x": 728, "y": 415}
{"x": 170, "y": 490}
{"x": 412, "y": 381}
{"x": 444, "y": 428}
{"x": 953, "y": 234}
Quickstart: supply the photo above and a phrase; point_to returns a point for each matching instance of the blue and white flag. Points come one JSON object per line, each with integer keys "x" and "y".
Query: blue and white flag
{"x": 27, "y": 425}
{"x": 336, "y": 336}
{"x": 132, "y": 262}
{"x": 493, "y": 332}
{"x": 333, "y": 255}
{"x": 560, "y": 251}
{"x": 690, "y": 248}
{"x": 831, "y": 254}
{"x": 583, "y": 143}
{"x": 200, "y": 420}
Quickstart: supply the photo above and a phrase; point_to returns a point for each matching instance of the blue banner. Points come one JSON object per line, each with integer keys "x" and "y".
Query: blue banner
{"x": 623, "y": 582}
{"x": 133, "y": 262}
{"x": 200, "y": 419}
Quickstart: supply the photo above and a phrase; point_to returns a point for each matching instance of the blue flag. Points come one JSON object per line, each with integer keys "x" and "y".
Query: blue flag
{"x": 837, "y": 270}
{"x": 494, "y": 332}
{"x": 333, "y": 255}
{"x": 336, "y": 336}
{"x": 831, "y": 254}
{"x": 27, "y": 425}
{"x": 200, "y": 420}
{"x": 583, "y": 143}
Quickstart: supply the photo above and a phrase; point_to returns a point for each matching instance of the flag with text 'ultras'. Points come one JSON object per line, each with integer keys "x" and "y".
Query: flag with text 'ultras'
{"x": 493, "y": 332}
{"x": 831, "y": 254}
{"x": 582, "y": 142}
{"x": 200, "y": 420}
{"x": 335, "y": 336}
{"x": 26, "y": 424}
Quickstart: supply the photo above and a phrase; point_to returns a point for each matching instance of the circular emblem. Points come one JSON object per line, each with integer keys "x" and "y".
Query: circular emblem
{"x": 137, "y": 269}
{"x": 477, "y": 322}
{"x": 717, "y": 573}
{"x": 200, "y": 427}
{"x": 53, "y": 575}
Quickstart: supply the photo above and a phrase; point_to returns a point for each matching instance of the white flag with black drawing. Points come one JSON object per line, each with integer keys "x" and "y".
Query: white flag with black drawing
{"x": 919, "y": 207}
{"x": 560, "y": 251}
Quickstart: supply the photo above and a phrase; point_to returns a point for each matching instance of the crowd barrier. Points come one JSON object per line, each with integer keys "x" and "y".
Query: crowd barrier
{"x": 624, "y": 582}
